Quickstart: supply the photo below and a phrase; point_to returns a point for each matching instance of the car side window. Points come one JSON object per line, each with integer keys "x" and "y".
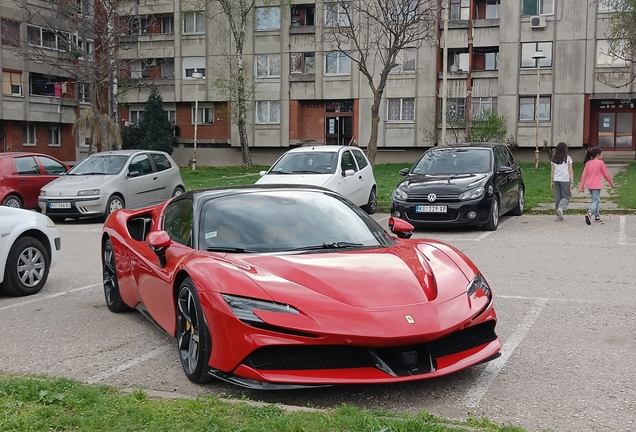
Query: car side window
{"x": 51, "y": 167}
{"x": 26, "y": 165}
{"x": 141, "y": 164}
{"x": 500, "y": 160}
{"x": 177, "y": 221}
{"x": 511, "y": 159}
{"x": 362, "y": 161}
{"x": 348, "y": 163}
{"x": 162, "y": 163}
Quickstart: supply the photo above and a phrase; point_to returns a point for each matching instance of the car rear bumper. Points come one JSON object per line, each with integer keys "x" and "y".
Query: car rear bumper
{"x": 77, "y": 207}
{"x": 457, "y": 214}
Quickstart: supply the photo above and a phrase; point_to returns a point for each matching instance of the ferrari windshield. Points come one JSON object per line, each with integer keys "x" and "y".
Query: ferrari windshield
{"x": 282, "y": 220}
{"x": 454, "y": 161}
{"x": 100, "y": 165}
{"x": 306, "y": 163}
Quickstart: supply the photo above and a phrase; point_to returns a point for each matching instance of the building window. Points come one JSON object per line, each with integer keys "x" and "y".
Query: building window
{"x": 47, "y": 38}
{"x": 337, "y": 14}
{"x": 528, "y": 49}
{"x": 136, "y": 70}
{"x": 455, "y": 111}
{"x": 606, "y": 54}
{"x": 527, "y": 108}
{"x": 492, "y": 61}
{"x": 401, "y": 110}
{"x": 192, "y": 65}
{"x": 167, "y": 24}
{"x": 138, "y": 25}
{"x": 167, "y": 68}
{"x": 538, "y": 7}
{"x": 268, "y": 18}
{"x": 10, "y": 32}
{"x": 54, "y": 136}
{"x": 205, "y": 114}
{"x": 172, "y": 116}
{"x": 28, "y": 134}
{"x": 84, "y": 48}
{"x": 459, "y": 10}
{"x": 337, "y": 63}
{"x": 405, "y": 61}
{"x": 83, "y": 92}
{"x": 268, "y": 112}
{"x": 302, "y": 63}
{"x": 458, "y": 62}
{"x": 136, "y": 116}
{"x": 85, "y": 7}
{"x": 12, "y": 83}
{"x": 492, "y": 9}
{"x": 193, "y": 22}
{"x": 480, "y": 106}
{"x": 302, "y": 15}
{"x": 267, "y": 65}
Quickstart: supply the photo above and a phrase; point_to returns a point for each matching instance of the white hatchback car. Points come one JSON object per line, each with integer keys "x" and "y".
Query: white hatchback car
{"x": 107, "y": 181}
{"x": 345, "y": 170}
{"x": 29, "y": 248}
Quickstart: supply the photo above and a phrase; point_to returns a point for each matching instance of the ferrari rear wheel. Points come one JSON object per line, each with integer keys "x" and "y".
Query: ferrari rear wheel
{"x": 111, "y": 283}
{"x": 193, "y": 337}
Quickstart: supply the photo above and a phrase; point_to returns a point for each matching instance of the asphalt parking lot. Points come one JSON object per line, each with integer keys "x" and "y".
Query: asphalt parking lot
{"x": 567, "y": 320}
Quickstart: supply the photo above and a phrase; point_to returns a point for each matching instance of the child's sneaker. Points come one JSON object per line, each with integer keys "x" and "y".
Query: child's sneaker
{"x": 559, "y": 213}
{"x": 588, "y": 218}
{"x": 598, "y": 220}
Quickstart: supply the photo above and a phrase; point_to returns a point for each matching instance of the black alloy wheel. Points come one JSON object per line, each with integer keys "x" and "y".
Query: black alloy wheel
{"x": 493, "y": 221}
{"x": 193, "y": 337}
{"x": 371, "y": 206}
{"x": 111, "y": 283}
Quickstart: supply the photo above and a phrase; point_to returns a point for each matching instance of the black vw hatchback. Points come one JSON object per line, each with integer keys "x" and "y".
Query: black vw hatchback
{"x": 460, "y": 184}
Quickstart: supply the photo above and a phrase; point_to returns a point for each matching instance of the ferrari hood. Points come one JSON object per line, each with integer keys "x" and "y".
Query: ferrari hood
{"x": 303, "y": 179}
{"x": 384, "y": 278}
{"x": 68, "y": 185}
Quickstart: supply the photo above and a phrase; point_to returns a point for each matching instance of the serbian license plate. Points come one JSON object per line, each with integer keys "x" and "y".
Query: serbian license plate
{"x": 60, "y": 205}
{"x": 430, "y": 209}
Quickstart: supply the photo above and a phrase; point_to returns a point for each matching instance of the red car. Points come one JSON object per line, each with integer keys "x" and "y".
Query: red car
{"x": 22, "y": 175}
{"x": 271, "y": 286}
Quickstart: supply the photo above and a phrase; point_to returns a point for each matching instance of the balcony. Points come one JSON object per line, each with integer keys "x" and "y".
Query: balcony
{"x": 302, "y": 19}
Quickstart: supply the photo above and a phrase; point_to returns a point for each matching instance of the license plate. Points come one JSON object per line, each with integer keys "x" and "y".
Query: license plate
{"x": 61, "y": 205}
{"x": 430, "y": 209}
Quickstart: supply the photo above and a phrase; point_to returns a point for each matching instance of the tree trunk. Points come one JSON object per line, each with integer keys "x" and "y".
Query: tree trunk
{"x": 112, "y": 70}
{"x": 242, "y": 108}
{"x": 372, "y": 147}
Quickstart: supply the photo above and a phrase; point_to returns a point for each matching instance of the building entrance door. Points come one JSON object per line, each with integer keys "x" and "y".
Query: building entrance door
{"x": 615, "y": 130}
{"x": 338, "y": 130}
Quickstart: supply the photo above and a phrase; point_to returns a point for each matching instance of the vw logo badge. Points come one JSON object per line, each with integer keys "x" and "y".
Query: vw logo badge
{"x": 431, "y": 197}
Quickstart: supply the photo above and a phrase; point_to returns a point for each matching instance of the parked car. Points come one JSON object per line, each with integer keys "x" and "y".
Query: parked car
{"x": 463, "y": 184}
{"x": 345, "y": 170}
{"x": 275, "y": 287}
{"x": 105, "y": 182}
{"x": 29, "y": 248}
{"x": 23, "y": 174}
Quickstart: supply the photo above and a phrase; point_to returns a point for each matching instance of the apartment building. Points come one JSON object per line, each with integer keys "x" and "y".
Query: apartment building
{"x": 306, "y": 93}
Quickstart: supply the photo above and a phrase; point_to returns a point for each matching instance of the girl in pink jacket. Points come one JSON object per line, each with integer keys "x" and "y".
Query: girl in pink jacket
{"x": 594, "y": 169}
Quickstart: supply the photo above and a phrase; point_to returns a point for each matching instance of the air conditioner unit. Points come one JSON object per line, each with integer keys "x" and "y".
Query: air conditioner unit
{"x": 537, "y": 22}
{"x": 151, "y": 62}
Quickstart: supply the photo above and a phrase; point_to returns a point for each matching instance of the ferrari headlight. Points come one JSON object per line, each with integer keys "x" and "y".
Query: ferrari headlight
{"x": 243, "y": 307}
{"x": 477, "y": 283}
{"x": 88, "y": 192}
{"x": 472, "y": 194}
{"x": 400, "y": 194}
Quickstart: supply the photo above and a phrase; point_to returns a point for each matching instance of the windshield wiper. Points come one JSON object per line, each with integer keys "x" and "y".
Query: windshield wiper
{"x": 307, "y": 172}
{"x": 230, "y": 249}
{"x": 89, "y": 173}
{"x": 336, "y": 245}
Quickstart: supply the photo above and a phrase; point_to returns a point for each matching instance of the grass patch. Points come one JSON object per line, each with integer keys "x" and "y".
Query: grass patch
{"x": 624, "y": 193}
{"x": 537, "y": 182}
{"x": 206, "y": 177}
{"x": 41, "y": 404}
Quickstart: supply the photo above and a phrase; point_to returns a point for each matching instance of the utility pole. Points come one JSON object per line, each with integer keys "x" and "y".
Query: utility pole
{"x": 444, "y": 72}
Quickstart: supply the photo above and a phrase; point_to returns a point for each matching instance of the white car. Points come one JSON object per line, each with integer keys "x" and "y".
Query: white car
{"x": 107, "y": 181}
{"x": 29, "y": 248}
{"x": 345, "y": 170}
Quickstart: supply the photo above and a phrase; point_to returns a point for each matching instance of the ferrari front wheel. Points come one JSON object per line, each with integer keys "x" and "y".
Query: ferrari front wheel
{"x": 193, "y": 337}
{"x": 111, "y": 283}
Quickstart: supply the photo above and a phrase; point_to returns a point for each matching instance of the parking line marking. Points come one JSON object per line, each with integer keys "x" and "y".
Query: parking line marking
{"x": 85, "y": 230}
{"x": 479, "y": 389}
{"x": 37, "y": 299}
{"x": 563, "y": 300}
{"x": 486, "y": 234}
{"x": 622, "y": 235}
{"x": 129, "y": 364}
{"x": 383, "y": 219}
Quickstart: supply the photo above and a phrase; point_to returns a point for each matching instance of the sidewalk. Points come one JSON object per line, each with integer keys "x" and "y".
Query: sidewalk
{"x": 581, "y": 201}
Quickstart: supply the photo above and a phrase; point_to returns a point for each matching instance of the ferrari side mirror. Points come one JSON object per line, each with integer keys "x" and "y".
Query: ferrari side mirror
{"x": 400, "y": 227}
{"x": 159, "y": 241}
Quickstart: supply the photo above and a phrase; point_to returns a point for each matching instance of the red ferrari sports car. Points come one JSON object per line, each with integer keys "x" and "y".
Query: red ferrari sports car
{"x": 278, "y": 287}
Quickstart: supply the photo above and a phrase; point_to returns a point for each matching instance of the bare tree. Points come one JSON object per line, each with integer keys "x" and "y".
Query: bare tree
{"x": 92, "y": 125}
{"x": 621, "y": 42}
{"x": 373, "y": 33}
{"x": 79, "y": 41}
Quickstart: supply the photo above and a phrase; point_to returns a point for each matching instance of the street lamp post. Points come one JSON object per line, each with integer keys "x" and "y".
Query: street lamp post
{"x": 196, "y": 76}
{"x": 444, "y": 72}
{"x": 538, "y": 55}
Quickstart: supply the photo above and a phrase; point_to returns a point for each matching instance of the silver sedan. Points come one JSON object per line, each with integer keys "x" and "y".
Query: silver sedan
{"x": 105, "y": 182}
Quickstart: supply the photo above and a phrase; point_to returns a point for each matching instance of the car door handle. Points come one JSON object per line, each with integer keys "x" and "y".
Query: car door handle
{"x": 360, "y": 177}
{"x": 22, "y": 179}
{"x": 155, "y": 178}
